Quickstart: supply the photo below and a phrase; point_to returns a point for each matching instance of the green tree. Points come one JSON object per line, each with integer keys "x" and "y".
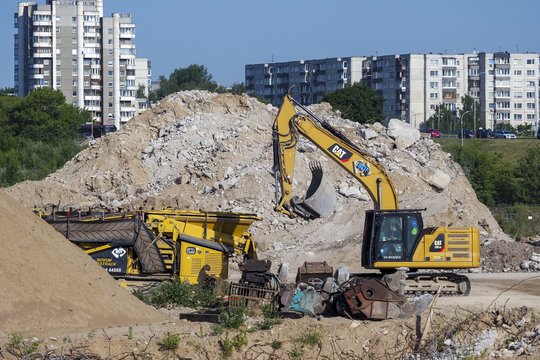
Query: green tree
{"x": 470, "y": 108}
{"x": 38, "y": 134}
{"x": 491, "y": 178}
{"x": 237, "y": 89}
{"x": 194, "y": 77}
{"x": 528, "y": 172}
{"x": 7, "y": 91}
{"x": 358, "y": 103}
{"x": 140, "y": 92}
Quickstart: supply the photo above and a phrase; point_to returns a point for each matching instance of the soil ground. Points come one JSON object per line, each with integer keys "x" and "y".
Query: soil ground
{"x": 334, "y": 337}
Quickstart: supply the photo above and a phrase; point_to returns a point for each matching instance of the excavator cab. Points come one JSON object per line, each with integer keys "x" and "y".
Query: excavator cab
{"x": 390, "y": 236}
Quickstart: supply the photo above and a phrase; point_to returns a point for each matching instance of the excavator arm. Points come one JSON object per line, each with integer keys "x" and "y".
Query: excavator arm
{"x": 289, "y": 124}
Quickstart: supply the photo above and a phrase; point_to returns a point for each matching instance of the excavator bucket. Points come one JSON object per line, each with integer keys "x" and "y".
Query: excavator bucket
{"x": 320, "y": 199}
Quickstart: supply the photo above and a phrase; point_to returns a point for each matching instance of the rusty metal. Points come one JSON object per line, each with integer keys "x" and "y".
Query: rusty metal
{"x": 373, "y": 300}
{"x": 314, "y": 270}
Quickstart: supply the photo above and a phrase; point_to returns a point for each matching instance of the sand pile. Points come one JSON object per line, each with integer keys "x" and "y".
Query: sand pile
{"x": 199, "y": 150}
{"x": 49, "y": 286}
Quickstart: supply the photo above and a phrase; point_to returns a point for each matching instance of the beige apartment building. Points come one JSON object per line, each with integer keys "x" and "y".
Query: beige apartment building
{"x": 69, "y": 45}
{"x": 414, "y": 85}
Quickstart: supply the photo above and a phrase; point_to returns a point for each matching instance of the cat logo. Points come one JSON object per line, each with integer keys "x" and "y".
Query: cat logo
{"x": 342, "y": 154}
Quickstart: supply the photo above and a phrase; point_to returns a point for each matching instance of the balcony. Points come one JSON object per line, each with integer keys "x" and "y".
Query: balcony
{"x": 42, "y": 45}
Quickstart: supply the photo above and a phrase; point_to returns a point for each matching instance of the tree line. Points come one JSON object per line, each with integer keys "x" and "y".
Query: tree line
{"x": 39, "y": 133}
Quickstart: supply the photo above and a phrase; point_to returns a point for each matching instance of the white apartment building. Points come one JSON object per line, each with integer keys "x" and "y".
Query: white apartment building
{"x": 414, "y": 85}
{"x": 70, "y": 46}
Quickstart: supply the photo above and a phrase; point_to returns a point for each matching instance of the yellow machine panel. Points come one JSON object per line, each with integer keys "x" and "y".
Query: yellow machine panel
{"x": 198, "y": 262}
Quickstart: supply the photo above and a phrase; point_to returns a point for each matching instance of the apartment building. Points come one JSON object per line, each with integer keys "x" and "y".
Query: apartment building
{"x": 70, "y": 46}
{"x": 415, "y": 85}
{"x": 509, "y": 92}
{"x": 307, "y": 80}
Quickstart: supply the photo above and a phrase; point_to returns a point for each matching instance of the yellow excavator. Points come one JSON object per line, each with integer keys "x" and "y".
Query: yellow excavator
{"x": 394, "y": 240}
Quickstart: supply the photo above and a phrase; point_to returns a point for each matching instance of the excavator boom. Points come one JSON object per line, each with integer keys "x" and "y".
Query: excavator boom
{"x": 289, "y": 124}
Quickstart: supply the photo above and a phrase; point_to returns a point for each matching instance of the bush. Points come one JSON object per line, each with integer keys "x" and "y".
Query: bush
{"x": 176, "y": 293}
{"x": 228, "y": 345}
{"x": 170, "y": 341}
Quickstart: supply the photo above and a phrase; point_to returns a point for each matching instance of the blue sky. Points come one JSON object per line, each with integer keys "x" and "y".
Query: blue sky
{"x": 226, "y": 35}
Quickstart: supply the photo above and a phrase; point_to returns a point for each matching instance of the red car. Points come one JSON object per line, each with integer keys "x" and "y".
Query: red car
{"x": 434, "y": 133}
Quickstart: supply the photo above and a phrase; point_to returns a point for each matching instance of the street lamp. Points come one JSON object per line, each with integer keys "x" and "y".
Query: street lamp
{"x": 461, "y": 125}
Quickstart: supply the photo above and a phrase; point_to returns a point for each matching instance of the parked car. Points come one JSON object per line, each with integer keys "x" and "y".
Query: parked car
{"x": 434, "y": 133}
{"x": 467, "y": 134}
{"x": 538, "y": 134}
{"x": 504, "y": 134}
{"x": 483, "y": 134}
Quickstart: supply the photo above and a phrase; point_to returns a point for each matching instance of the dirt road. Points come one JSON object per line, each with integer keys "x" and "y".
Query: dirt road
{"x": 498, "y": 289}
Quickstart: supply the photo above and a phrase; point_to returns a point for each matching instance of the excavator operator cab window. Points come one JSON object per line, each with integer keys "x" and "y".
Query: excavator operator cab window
{"x": 397, "y": 235}
{"x": 390, "y": 238}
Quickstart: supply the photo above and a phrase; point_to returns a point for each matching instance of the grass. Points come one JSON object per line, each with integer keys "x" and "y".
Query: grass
{"x": 510, "y": 150}
{"x": 173, "y": 293}
{"x": 170, "y": 342}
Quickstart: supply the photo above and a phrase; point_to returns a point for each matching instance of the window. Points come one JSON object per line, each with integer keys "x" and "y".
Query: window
{"x": 434, "y": 62}
{"x": 518, "y": 95}
{"x": 110, "y": 93}
{"x": 518, "y": 106}
{"x": 530, "y": 72}
{"x": 110, "y": 84}
{"x": 518, "y": 84}
{"x": 530, "y": 61}
{"x": 434, "y": 73}
{"x": 530, "y": 83}
{"x": 518, "y": 117}
{"x": 110, "y": 72}
{"x": 530, "y": 117}
{"x": 531, "y": 106}
{"x": 110, "y": 63}
{"x": 432, "y": 106}
{"x": 73, "y": 41}
{"x": 45, "y": 61}
{"x": 434, "y": 85}
{"x": 74, "y": 82}
{"x": 433, "y": 95}
{"x": 518, "y": 62}
{"x": 517, "y": 72}
{"x": 110, "y": 52}
{"x": 530, "y": 95}
{"x": 74, "y": 19}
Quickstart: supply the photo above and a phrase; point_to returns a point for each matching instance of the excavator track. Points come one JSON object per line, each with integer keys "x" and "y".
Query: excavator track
{"x": 449, "y": 284}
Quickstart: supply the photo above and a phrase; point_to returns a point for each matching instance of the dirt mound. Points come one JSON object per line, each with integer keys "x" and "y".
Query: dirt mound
{"x": 199, "y": 150}
{"x": 49, "y": 286}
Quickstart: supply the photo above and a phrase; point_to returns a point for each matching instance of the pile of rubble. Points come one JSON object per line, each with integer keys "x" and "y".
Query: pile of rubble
{"x": 199, "y": 150}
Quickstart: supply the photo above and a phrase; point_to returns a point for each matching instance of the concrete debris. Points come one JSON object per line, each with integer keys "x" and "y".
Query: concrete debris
{"x": 200, "y": 150}
{"x": 367, "y": 134}
{"x": 404, "y": 134}
{"x": 439, "y": 180}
